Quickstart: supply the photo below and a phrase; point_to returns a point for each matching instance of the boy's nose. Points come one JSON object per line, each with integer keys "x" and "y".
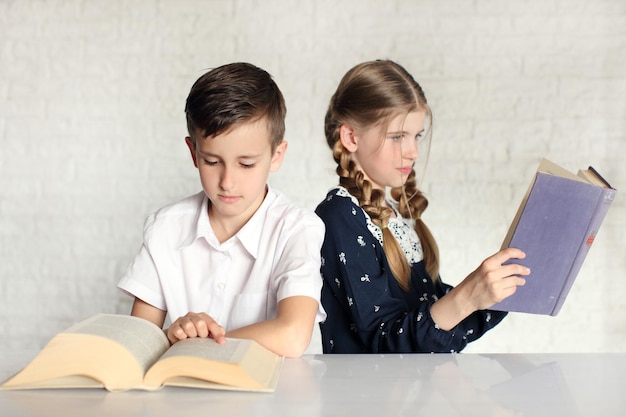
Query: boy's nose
{"x": 226, "y": 180}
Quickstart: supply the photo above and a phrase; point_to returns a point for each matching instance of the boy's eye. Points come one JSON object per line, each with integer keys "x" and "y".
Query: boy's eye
{"x": 210, "y": 163}
{"x": 250, "y": 165}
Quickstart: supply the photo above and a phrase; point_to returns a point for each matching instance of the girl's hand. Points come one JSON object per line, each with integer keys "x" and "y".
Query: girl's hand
{"x": 493, "y": 281}
{"x": 195, "y": 325}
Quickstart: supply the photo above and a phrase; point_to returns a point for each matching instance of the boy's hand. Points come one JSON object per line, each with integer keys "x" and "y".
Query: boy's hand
{"x": 195, "y": 325}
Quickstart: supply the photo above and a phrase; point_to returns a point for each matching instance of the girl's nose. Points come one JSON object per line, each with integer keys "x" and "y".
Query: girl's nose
{"x": 410, "y": 149}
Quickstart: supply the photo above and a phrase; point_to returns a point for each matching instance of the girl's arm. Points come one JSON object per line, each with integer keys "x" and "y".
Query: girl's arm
{"x": 490, "y": 283}
{"x": 356, "y": 272}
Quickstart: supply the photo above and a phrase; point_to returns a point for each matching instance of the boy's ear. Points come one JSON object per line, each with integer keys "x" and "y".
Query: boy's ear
{"x": 277, "y": 158}
{"x": 192, "y": 149}
{"x": 348, "y": 138}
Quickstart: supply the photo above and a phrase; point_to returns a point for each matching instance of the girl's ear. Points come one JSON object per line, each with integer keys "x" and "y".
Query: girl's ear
{"x": 348, "y": 138}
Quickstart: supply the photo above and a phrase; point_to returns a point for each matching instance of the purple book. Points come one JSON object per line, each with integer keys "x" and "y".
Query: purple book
{"x": 555, "y": 226}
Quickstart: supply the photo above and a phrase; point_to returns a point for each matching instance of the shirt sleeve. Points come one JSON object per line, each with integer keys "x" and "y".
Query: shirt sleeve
{"x": 297, "y": 269}
{"x": 141, "y": 279}
{"x": 383, "y": 317}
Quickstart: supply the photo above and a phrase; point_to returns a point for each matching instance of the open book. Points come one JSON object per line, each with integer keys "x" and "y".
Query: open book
{"x": 555, "y": 226}
{"x": 119, "y": 352}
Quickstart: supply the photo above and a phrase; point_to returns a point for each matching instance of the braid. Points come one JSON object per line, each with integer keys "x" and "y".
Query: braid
{"x": 411, "y": 204}
{"x": 372, "y": 201}
{"x": 371, "y": 94}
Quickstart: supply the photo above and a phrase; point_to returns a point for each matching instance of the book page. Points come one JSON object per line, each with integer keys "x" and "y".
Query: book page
{"x": 143, "y": 339}
{"x": 66, "y": 382}
{"x": 550, "y": 167}
{"x": 238, "y": 364}
{"x": 113, "y": 351}
{"x": 79, "y": 354}
{"x": 207, "y": 348}
{"x": 590, "y": 176}
{"x": 593, "y": 177}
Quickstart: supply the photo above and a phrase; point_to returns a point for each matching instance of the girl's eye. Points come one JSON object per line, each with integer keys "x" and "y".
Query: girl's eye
{"x": 397, "y": 138}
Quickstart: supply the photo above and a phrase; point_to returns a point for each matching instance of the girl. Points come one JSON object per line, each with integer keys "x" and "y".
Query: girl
{"x": 380, "y": 264}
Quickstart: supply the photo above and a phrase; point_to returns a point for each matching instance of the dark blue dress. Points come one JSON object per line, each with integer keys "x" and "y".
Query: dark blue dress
{"x": 367, "y": 310}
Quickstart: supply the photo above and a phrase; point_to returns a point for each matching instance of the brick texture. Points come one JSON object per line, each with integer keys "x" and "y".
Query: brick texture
{"x": 92, "y": 127}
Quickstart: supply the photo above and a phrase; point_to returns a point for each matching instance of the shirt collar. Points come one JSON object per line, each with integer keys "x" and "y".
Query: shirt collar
{"x": 249, "y": 235}
{"x": 251, "y": 232}
{"x": 201, "y": 227}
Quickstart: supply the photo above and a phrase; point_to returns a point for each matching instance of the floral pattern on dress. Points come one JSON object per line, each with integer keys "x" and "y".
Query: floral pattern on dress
{"x": 367, "y": 311}
{"x": 401, "y": 228}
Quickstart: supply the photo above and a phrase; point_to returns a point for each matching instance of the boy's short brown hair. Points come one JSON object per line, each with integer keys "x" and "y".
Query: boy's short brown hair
{"x": 232, "y": 94}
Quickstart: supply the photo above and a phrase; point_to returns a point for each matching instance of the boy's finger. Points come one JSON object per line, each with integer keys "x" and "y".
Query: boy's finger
{"x": 201, "y": 327}
{"x": 217, "y": 332}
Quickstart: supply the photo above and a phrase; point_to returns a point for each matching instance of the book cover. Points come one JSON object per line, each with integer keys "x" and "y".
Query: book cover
{"x": 555, "y": 226}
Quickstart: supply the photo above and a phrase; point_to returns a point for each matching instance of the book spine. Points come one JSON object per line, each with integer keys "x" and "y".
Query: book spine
{"x": 600, "y": 212}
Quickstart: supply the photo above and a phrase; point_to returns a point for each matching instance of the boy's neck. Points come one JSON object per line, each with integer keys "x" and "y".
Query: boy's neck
{"x": 223, "y": 232}
{"x": 225, "y": 228}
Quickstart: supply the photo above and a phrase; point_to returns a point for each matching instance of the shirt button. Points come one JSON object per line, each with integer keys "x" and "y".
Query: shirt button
{"x": 221, "y": 285}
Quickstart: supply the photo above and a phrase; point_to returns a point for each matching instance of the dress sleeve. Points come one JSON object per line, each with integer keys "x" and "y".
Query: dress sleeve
{"x": 384, "y": 318}
{"x": 476, "y": 324}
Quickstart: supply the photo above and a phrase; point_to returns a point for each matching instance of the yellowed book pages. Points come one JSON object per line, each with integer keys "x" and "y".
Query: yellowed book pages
{"x": 119, "y": 352}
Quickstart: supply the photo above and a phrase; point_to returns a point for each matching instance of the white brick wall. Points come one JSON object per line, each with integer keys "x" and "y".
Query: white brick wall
{"x": 92, "y": 126}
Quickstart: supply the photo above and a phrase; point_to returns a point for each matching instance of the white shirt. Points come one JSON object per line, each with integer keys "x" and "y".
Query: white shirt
{"x": 182, "y": 267}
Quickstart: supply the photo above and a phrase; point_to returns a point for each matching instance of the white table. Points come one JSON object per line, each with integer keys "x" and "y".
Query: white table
{"x": 368, "y": 385}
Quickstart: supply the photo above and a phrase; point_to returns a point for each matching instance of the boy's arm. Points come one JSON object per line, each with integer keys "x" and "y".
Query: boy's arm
{"x": 190, "y": 325}
{"x": 289, "y": 334}
{"x": 148, "y": 312}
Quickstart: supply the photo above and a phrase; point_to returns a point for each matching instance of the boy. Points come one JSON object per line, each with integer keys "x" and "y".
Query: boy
{"x": 238, "y": 259}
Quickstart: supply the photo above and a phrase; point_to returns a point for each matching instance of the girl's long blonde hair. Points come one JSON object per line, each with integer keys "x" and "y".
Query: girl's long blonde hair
{"x": 371, "y": 94}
